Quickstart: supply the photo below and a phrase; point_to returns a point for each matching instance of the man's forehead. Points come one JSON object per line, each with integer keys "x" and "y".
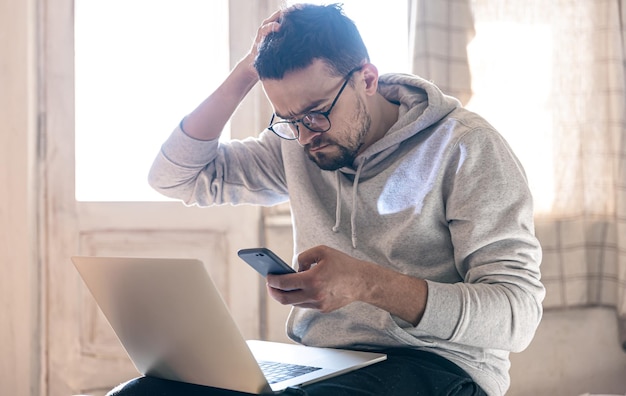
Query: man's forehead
{"x": 296, "y": 104}
{"x": 300, "y": 91}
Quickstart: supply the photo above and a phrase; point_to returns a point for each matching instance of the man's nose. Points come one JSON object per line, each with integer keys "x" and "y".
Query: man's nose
{"x": 306, "y": 135}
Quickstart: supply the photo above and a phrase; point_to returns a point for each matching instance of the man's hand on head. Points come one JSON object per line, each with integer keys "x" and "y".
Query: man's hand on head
{"x": 269, "y": 25}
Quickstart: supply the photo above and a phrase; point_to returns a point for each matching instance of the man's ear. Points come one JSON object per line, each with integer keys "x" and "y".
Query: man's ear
{"x": 370, "y": 75}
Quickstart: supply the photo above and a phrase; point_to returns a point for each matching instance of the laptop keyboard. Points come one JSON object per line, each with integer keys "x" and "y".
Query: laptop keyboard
{"x": 277, "y": 371}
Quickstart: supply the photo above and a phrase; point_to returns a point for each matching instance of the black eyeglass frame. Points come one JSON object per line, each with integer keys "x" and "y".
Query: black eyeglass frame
{"x": 311, "y": 114}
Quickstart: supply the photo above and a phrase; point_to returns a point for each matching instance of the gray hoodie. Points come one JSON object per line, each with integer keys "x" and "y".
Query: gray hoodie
{"x": 441, "y": 197}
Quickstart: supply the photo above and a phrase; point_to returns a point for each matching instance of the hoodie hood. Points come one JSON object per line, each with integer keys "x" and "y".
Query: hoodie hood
{"x": 422, "y": 105}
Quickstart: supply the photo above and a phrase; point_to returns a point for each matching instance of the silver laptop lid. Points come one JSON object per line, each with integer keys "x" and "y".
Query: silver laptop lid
{"x": 141, "y": 299}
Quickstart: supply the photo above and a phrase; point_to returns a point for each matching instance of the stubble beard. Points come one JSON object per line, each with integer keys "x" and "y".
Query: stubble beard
{"x": 344, "y": 154}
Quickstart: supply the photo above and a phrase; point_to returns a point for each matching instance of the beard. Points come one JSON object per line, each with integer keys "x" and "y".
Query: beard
{"x": 340, "y": 154}
{"x": 343, "y": 156}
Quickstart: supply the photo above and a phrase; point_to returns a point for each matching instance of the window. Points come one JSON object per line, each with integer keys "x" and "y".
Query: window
{"x": 384, "y": 31}
{"x": 141, "y": 65}
{"x": 511, "y": 66}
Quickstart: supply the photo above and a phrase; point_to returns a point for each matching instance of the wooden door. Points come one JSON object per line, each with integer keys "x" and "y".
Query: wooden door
{"x": 83, "y": 354}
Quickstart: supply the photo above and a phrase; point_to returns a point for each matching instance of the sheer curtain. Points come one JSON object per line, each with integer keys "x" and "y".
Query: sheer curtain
{"x": 439, "y": 32}
{"x": 549, "y": 75}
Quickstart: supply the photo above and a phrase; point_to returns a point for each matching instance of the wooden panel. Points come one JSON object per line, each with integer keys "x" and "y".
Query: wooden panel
{"x": 97, "y": 337}
{"x": 20, "y": 331}
{"x": 279, "y": 237}
{"x": 98, "y": 342}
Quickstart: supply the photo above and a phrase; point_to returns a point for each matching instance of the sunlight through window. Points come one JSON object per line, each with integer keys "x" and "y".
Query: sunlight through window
{"x": 141, "y": 65}
{"x": 384, "y": 29}
{"x": 511, "y": 80}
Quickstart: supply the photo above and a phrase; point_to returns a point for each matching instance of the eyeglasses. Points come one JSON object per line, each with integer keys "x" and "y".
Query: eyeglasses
{"x": 315, "y": 121}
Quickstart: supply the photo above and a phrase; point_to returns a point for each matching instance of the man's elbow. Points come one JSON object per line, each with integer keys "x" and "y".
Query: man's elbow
{"x": 524, "y": 331}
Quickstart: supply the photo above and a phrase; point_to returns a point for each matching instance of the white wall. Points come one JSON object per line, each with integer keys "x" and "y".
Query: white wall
{"x": 19, "y": 337}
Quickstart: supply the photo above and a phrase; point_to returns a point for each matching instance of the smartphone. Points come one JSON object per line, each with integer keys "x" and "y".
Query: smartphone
{"x": 265, "y": 261}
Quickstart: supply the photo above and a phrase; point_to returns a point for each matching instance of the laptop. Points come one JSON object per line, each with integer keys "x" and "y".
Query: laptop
{"x": 174, "y": 324}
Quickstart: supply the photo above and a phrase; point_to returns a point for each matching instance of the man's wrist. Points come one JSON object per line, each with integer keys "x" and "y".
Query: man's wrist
{"x": 401, "y": 295}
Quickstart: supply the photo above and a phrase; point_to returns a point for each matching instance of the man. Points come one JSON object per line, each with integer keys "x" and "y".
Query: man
{"x": 412, "y": 217}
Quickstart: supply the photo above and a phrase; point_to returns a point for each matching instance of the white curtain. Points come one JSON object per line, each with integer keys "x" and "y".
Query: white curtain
{"x": 550, "y": 76}
{"x": 439, "y": 31}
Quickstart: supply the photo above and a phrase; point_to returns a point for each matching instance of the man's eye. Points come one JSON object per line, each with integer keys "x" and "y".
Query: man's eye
{"x": 314, "y": 116}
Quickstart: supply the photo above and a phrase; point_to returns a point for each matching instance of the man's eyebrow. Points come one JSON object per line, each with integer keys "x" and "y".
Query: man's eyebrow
{"x": 307, "y": 109}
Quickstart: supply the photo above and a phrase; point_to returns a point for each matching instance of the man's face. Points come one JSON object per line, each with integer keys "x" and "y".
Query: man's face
{"x": 313, "y": 89}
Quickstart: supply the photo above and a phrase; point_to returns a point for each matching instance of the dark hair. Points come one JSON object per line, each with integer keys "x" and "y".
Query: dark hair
{"x": 308, "y": 32}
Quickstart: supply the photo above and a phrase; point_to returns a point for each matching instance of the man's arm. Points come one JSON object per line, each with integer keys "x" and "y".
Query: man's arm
{"x": 329, "y": 279}
{"x": 207, "y": 121}
{"x": 191, "y": 163}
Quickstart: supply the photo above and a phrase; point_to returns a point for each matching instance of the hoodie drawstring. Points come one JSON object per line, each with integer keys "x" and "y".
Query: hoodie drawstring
{"x": 355, "y": 188}
{"x": 338, "y": 209}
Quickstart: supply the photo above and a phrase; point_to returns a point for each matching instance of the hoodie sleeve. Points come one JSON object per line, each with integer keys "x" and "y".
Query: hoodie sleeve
{"x": 490, "y": 218}
{"x": 208, "y": 173}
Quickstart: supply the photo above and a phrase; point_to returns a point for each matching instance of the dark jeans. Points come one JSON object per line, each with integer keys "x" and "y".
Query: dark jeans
{"x": 405, "y": 372}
